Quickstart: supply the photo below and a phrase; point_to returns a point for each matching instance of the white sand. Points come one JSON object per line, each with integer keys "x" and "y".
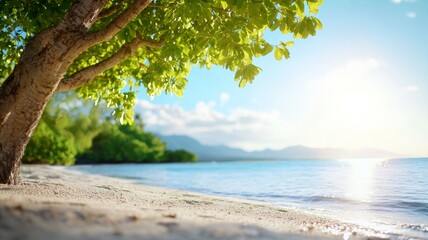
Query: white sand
{"x": 53, "y": 203}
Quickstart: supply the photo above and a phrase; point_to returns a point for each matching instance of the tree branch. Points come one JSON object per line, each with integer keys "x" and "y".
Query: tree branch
{"x": 117, "y": 24}
{"x": 63, "y": 40}
{"x": 82, "y": 15}
{"x": 86, "y": 75}
{"x": 110, "y": 11}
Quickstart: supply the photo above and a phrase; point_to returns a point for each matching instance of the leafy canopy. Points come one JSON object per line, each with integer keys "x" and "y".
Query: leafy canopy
{"x": 227, "y": 33}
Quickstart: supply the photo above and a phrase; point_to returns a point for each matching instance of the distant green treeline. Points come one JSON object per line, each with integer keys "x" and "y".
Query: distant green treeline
{"x": 72, "y": 131}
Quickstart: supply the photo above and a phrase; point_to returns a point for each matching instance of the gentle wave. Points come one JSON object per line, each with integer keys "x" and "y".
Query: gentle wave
{"x": 393, "y": 195}
{"x": 412, "y": 206}
{"x": 420, "y": 207}
{"x": 416, "y": 227}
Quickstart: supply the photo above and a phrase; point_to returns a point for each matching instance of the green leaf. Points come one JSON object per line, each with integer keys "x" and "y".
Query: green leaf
{"x": 223, "y": 4}
{"x": 300, "y": 8}
{"x": 314, "y": 5}
{"x": 289, "y": 44}
{"x": 286, "y": 53}
{"x": 278, "y": 54}
{"x": 267, "y": 48}
{"x": 317, "y": 23}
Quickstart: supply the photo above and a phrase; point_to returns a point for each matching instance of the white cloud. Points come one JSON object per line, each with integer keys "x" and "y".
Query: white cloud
{"x": 411, "y": 15}
{"x": 224, "y": 98}
{"x": 396, "y": 1}
{"x": 412, "y": 88}
{"x": 245, "y": 128}
{"x": 362, "y": 65}
{"x": 354, "y": 70}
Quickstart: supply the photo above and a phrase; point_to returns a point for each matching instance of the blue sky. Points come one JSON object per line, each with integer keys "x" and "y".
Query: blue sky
{"x": 360, "y": 82}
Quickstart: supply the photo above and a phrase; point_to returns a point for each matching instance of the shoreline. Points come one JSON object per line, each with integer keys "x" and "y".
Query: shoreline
{"x": 57, "y": 203}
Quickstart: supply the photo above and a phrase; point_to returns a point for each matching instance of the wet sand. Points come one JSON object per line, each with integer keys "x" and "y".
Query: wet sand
{"x": 55, "y": 203}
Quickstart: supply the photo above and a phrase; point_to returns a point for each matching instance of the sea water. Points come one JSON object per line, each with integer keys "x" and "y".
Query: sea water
{"x": 389, "y": 195}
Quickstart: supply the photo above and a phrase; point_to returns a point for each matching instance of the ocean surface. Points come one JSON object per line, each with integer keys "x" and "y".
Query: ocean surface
{"x": 388, "y": 195}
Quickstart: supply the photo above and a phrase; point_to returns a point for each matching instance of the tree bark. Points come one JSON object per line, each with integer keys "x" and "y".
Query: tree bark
{"x": 17, "y": 129}
{"x": 34, "y": 79}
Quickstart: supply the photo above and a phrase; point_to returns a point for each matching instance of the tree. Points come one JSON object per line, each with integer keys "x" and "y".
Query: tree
{"x": 125, "y": 144}
{"x": 130, "y": 144}
{"x": 108, "y": 48}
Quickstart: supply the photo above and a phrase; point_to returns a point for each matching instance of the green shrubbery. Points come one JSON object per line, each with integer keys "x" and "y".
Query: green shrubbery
{"x": 130, "y": 144}
{"x": 62, "y": 137}
{"x": 47, "y": 146}
{"x": 121, "y": 144}
{"x": 179, "y": 156}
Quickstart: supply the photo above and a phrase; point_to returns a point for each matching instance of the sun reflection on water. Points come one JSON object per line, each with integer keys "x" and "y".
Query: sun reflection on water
{"x": 361, "y": 175}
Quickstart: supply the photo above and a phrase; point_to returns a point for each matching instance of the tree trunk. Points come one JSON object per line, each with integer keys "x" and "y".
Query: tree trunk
{"x": 24, "y": 96}
{"x": 18, "y": 126}
{"x": 34, "y": 81}
{"x": 46, "y": 58}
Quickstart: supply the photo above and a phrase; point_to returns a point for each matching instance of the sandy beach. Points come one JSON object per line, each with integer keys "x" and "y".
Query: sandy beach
{"x": 55, "y": 203}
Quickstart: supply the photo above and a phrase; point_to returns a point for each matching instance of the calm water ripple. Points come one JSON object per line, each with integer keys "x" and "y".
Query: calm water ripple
{"x": 380, "y": 193}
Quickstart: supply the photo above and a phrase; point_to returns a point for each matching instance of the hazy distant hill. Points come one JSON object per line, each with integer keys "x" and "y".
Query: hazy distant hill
{"x": 223, "y": 153}
{"x": 204, "y": 152}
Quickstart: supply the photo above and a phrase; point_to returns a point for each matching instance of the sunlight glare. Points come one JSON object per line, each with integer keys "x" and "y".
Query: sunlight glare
{"x": 360, "y": 180}
{"x": 351, "y": 97}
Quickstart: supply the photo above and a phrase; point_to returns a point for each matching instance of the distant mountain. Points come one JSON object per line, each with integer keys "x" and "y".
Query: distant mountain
{"x": 224, "y": 153}
{"x": 302, "y": 152}
{"x": 204, "y": 152}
